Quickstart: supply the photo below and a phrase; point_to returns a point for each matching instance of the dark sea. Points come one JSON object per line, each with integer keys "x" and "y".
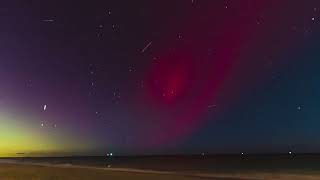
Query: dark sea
{"x": 205, "y": 164}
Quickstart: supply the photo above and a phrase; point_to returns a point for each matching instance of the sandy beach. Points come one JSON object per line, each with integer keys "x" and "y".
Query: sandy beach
{"x": 12, "y": 171}
{"x": 26, "y": 171}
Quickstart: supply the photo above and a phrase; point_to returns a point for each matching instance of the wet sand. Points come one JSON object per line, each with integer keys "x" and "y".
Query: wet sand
{"x": 24, "y": 171}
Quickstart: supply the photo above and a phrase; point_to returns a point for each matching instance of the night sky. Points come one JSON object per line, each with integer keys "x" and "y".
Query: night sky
{"x": 159, "y": 77}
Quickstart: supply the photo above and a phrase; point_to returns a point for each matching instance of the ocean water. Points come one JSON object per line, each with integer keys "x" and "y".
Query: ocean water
{"x": 204, "y": 164}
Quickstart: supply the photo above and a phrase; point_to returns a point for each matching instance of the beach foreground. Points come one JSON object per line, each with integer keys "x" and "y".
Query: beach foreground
{"x": 35, "y": 172}
{"x": 39, "y": 172}
{"x": 12, "y": 171}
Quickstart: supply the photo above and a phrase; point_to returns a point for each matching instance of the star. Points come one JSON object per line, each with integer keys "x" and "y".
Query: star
{"x": 131, "y": 69}
{"x": 299, "y": 108}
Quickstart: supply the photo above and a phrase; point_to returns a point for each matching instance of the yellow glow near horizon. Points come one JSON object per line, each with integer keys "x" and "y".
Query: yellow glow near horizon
{"x": 19, "y": 138}
{"x": 15, "y": 140}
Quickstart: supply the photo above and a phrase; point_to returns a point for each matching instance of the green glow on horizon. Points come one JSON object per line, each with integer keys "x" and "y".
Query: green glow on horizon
{"x": 19, "y": 138}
